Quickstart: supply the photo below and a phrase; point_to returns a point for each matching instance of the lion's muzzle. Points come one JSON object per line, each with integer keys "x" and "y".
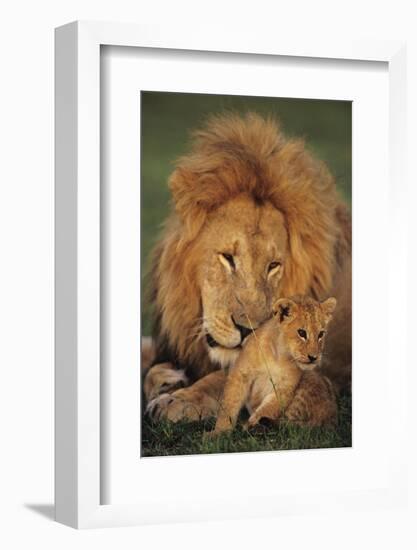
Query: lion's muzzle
{"x": 211, "y": 341}
{"x": 244, "y": 331}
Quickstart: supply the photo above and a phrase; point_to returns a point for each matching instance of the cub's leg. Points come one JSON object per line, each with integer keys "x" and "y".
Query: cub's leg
{"x": 196, "y": 402}
{"x": 269, "y": 408}
{"x": 235, "y": 396}
{"x": 314, "y": 402}
{"x": 272, "y": 406}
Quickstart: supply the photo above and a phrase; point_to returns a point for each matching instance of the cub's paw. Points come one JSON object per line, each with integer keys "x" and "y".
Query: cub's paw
{"x": 253, "y": 420}
{"x": 259, "y": 424}
{"x": 172, "y": 408}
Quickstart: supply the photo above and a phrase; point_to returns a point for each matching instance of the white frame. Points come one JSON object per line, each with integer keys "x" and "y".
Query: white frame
{"x": 77, "y": 471}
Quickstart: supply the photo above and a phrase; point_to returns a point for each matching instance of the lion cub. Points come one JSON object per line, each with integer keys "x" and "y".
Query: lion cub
{"x": 274, "y": 374}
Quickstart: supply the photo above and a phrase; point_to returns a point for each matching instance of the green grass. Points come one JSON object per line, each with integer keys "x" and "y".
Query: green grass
{"x": 167, "y": 439}
{"x": 169, "y": 118}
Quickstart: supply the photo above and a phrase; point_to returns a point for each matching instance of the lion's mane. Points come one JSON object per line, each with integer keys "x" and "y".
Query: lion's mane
{"x": 230, "y": 156}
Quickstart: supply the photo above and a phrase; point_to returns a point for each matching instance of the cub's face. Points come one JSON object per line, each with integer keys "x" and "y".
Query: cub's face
{"x": 303, "y": 328}
{"x": 245, "y": 246}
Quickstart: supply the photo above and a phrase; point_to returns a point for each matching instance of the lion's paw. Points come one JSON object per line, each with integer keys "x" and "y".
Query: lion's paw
{"x": 172, "y": 408}
{"x": 163, "y": 378}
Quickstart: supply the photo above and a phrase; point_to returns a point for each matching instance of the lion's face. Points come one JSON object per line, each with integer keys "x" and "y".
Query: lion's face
{"x": 244, "y": 250}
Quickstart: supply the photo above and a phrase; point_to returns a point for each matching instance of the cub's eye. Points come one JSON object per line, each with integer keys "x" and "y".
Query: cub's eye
{"x": 229, "y": 258}
{"x": 273, "y": 265}
{"x": 321, "y": 334}
{"x": 302, "y": 333}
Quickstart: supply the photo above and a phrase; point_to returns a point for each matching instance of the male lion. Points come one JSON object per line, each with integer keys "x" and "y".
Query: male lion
{"x": 255, "y": 218}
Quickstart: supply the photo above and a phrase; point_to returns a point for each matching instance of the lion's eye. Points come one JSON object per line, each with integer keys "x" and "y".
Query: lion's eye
{"x": 229, "y": 259}
{"x": 321, "y": 334}
{"x": 302, "y": 333}
{"x": 273, "y": 265}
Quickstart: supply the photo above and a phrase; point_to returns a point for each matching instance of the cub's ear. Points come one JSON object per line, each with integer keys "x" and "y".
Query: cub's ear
{"x": 285, "y": 310}
{"x": 328, "y": 307}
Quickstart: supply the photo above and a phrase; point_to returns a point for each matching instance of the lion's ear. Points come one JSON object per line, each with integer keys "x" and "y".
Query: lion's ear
{"x": 285, "y": 310}
{"x": 328, "y": 307}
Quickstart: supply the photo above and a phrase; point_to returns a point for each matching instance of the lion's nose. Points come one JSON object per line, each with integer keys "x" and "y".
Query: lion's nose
{"x": 244, "y": 331}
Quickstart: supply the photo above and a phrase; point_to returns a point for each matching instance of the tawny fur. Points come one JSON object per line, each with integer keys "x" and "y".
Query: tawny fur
{"x": 314, "y": 402}
{"x": 247, "y": 188}
{"x": 269, "y": 371}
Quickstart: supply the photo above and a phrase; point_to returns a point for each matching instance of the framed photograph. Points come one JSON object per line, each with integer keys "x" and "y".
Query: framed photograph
{"x": 225, "y": 327}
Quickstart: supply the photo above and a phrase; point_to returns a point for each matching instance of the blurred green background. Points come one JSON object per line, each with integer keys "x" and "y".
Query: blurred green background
{"x": 168, "y": 119}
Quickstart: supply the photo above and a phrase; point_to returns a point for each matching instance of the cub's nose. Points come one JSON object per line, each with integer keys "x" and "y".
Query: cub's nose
{"x": 244, "y": 331}
{"x": 312, "y": 358}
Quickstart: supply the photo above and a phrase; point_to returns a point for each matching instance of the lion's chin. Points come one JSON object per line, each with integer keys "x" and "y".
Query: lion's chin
{"x": 306, "y": 366}
{"x": 225, "y": 357}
